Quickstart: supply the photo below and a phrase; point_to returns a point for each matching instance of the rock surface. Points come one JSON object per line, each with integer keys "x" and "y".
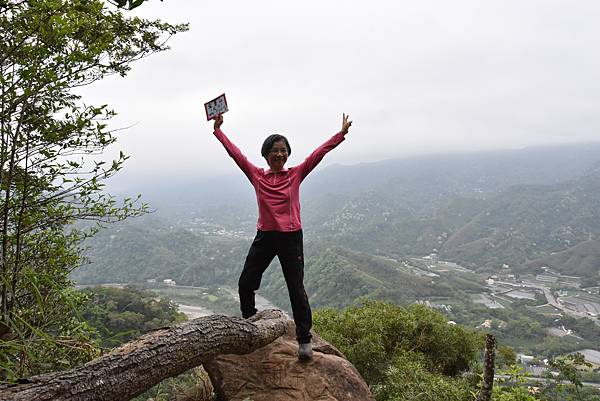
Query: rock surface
{"x": 273, "y": 373}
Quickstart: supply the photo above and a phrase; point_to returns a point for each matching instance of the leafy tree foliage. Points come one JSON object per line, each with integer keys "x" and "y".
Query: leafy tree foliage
{"x": 564, "y": 383}
{"x": 409, "y": 379}
{"x": 136, "y": 250}
{"x": 51, "y": 172}
{"x": 130, "y": 4}
{"x": 565, "y": 379}
{"x": 414, "y": 354}
{"x": 385, "y": 342}
{"x": 119, "y": 315}
{"x": 515, "y": 387}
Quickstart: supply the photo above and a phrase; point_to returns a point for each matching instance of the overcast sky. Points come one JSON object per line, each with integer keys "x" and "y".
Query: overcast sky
{"x": 416, "y": 77}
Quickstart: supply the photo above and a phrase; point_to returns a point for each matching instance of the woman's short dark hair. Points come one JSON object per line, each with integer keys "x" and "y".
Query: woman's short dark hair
{"x": 271, "y": 139}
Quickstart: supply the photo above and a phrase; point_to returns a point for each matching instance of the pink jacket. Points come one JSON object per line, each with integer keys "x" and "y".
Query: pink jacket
{"x": 278, "y": 193}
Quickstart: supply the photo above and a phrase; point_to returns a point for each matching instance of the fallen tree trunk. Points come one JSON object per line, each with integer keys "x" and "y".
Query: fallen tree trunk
{"x": 140, "y": 364}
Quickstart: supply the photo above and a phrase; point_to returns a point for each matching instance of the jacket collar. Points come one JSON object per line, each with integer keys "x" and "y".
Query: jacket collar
{"x": 269, "y": 171}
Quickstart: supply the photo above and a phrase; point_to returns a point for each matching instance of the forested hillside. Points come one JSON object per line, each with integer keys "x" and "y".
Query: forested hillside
{"x": 335, "y": 276}
{"x": 481, "y": 209}
{"x": 581, "y": 260}
{"x": 134, "y": 252}
{"x": 527, "y": 222}
{"x": 119, "y": 315}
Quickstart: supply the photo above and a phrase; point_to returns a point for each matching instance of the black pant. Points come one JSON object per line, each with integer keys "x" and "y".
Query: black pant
{"x": 289, "y": 249}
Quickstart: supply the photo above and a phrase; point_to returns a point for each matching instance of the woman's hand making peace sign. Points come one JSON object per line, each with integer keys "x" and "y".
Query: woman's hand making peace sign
{"x": 345, "y": 123}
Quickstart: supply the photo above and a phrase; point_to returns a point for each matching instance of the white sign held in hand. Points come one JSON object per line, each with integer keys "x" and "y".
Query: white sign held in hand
{"x": 216, "y": 107}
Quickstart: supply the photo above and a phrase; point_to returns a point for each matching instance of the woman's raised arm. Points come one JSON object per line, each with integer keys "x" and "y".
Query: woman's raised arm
{"x": 236, "y": 154}
{"x": 317, "y": 155}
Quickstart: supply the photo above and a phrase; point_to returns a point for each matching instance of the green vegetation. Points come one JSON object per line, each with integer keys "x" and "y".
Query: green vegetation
{"x": 562, "y": 383}
{"x": 409, "y": 379}
{"x": 582, "y": 259}
{"x": 524, "y": 328}
{"x": 119, "y": 315}
{"x": 130, "y": 4}
{"x": 401, "y": 352}
{"x": 334, "y": 277}
{"x": 51, "y": 175}
{"x": 414, "y": 354}
{"x": 136, "y": 251}
{"x": 515, "y": 225}
{"x": 204, "y": 260}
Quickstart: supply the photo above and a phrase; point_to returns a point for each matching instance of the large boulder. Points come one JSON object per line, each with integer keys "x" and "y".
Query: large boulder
{"x": 273, "y": 373}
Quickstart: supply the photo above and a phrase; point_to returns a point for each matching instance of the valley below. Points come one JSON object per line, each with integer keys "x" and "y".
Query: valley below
{"x": 504, "y": 242}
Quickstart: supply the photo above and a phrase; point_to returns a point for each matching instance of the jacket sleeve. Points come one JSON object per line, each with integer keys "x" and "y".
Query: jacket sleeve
{"x": 317, "y": 155}
{"x": 236, "y": 154}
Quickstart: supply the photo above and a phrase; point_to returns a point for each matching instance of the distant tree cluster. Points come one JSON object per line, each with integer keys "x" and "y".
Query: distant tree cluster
{"x": 120, "y": 315}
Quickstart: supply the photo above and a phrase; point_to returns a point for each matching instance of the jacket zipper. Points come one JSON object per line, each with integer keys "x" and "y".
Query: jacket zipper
{"x": 290, "y": 204}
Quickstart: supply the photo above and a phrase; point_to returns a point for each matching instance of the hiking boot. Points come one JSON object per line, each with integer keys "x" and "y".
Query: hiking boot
{"x": 305, "y": 352}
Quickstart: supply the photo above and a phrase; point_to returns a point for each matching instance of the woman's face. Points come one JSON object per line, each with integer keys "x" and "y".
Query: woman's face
{"x": 277, "y": 156}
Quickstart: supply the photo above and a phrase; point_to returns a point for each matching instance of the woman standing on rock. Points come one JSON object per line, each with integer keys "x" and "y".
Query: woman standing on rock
{"x": 279, "y": 228}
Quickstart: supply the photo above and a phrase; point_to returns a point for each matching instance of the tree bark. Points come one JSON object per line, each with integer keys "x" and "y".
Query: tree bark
{"x": 488, "y": 369}
{"x": 140, "y": 364}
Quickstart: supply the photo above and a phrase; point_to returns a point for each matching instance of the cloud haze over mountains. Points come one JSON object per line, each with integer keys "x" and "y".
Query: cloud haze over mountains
{"x": 417, "y": 77}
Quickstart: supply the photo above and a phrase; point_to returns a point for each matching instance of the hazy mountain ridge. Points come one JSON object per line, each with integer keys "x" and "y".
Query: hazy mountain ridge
{"x": 336, "y": 277}
{"x": 583, "y": 260}
{"x": 480, "y": 209}
{"x": 515, "y": 226}
{"x": 511, "y": 225}
{"x": 420, "y": 181}
{"x": 130, "y": 252}
{"x": 527, "y": 222}
{"x": 428, "y": 181}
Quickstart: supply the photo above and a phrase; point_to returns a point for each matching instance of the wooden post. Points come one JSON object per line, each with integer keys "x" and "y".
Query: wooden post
{"x": 488, "y": 369}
